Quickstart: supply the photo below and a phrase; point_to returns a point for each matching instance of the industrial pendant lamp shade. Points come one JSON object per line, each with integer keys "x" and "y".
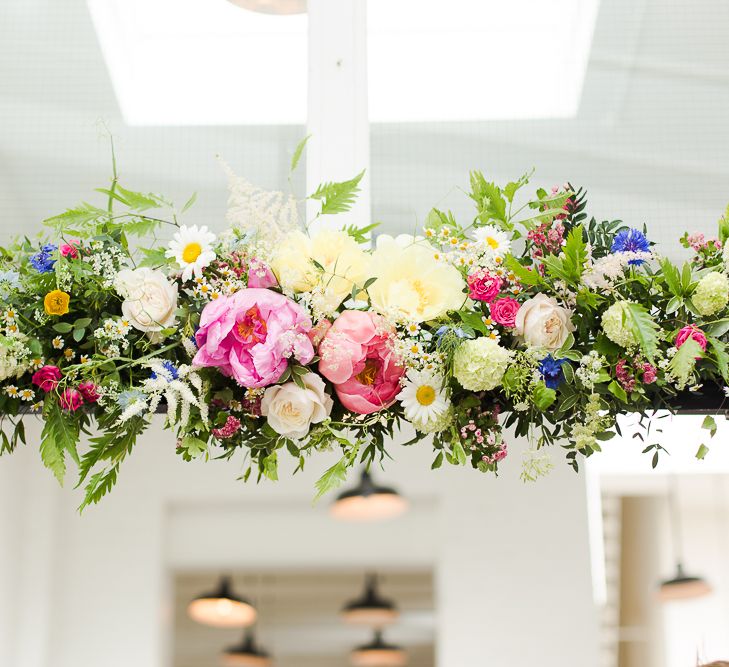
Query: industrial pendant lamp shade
{"x": 370, "y": 609}
{"x": 683, "y": 587}
{"x": 246, "y": 654}
{"x": 221, "y": 608}
{"x": 368, "y": 502}
{"x": 378, "y": 654}
{"x": 273, "y": 6}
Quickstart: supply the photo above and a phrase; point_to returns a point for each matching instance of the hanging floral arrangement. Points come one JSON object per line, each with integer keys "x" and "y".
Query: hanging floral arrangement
{"x": 272, "y": 340}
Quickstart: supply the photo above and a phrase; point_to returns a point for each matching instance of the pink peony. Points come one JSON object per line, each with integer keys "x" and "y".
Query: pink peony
{"x": 71, "y": 399}
{"x": 47, "y": 378}
{"x": 483, "y": 286}
{"x": 260, "y": 275}
{"x": 691, "y": 331}
{"x": 251, "y": 334}
{"x": 357, "y": 357}
{"x": 70, "y": 249}
{"x": 89, "y": 391}
{"x": 503, "y": 311}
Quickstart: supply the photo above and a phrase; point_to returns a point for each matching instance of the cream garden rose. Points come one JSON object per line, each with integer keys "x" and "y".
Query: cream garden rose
{"x": 542, "y": 322}
{"x": 150, "y": 300}
{"x": 344, "y": 261}
{"x": 411, "y": 284}
{"x": 291, "y": 409}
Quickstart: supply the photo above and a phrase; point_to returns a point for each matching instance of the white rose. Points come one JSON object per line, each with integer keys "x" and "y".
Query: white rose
{"x": 150, "y": 300}
{"x": 542, "y": 322}
{"x": 291, "y": 410}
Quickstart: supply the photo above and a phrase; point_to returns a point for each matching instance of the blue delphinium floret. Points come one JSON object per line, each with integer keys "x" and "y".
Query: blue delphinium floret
{"x": 551, "y": 370}
{"x": 631, "y": 240}
{"x": 43, "y": 260}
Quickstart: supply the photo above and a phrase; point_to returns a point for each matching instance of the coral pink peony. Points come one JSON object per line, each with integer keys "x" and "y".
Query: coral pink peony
{"x": 71, "y": 399}
{"x": 483, "y": 286}
{"x": 357, "y": 357}
{"x": 47, "y": 378}
{"x": 251, "y": 334}
{"x": 691, "y": 331}
{"x": 503, "y": 311}
{"x": 89, "y": 391}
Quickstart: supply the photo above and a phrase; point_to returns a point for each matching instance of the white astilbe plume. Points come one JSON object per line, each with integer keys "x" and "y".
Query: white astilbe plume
{"x": 604, "y": 272}
{"x": 265, "y": 216}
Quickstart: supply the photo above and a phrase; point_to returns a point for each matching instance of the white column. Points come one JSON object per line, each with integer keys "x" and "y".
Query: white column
{"x": 339, "y": 147}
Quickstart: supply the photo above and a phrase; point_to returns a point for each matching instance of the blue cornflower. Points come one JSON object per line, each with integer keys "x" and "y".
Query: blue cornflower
{"x": 42, "y": 261}
{"x": 172, "y": 372}
{"x": 551, "y": 370}
{"x": 126, "y": 398}
{"x": 631, "y": 240}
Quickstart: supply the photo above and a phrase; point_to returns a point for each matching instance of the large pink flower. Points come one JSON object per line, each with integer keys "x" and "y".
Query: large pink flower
{"x": 484, "y": 286}
{"x": 691, "y": 331}
{"x": 251, "y": 335}
{"x": 357, "y": 357}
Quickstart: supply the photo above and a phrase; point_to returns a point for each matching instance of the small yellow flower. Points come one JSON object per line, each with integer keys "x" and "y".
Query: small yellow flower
{"x": 27, "y": 394}
{"x": 429, "y": 233}
{"x": 69, "y": 353}
{"x": 11, "y": 391}
{"x": 9, "y": 314}
{"x": 37, "y": 362}
{"x": 84, "y": 358}
{"x": 56, "y": 302}
{"x": 11, "y": 329}
{"x": 57, "y": 343}
{"x": 37, "y": 407}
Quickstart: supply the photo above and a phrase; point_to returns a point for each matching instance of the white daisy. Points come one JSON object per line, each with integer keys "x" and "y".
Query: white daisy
{"x": 191, "y": 248}
{"x": 423, "y": 397}
{"x": 494, "y": 241}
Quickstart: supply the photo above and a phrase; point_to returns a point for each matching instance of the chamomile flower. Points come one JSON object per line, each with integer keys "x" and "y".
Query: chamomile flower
{"x": 69, "y": 354}
{"x": 423, "y": 397}
{"x": 57, "y": 343}
{"x": 37, "y": 363}
{"x": 191, "y": 248}
{"x": 27, "y": 394}
{"x": 494, "y": 241}
{"x": 12, "y": 391}
{"x": 413, "y": 328}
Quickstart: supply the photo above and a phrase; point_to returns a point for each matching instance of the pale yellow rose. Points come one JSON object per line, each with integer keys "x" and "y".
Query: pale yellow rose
{"x": 542, "y": 322}
{"x": 344, "y": 261}
{"x": 411, "y": 284}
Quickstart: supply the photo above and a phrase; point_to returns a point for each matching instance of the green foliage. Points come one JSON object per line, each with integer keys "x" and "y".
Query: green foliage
{"x": 684, "y": 361}
{"x": 338, "y": 197}
{"x": 298, "y": 152}
{"x": 644, "y": 329}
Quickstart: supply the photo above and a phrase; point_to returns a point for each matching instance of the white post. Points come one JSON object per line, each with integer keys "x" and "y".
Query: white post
{"x": 339, "y": 147}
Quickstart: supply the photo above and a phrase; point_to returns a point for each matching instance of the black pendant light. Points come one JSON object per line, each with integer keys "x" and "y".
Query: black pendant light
{"x": 368, "y": 501}
{"x": 370, "y": 609}
{"x": 222, "y": 608}
{"x": 378, "y": 653}
{"x": 681, "y": 586}
{"x": 246, "y": 654}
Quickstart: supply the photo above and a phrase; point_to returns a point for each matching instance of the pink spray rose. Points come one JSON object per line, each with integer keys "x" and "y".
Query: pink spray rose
{"x": 357, "y": 357}
{"x": 71, "y": 399}
{"x": 260, "y": 275}
{"x": 47, "y": 378}
{"x": 691, "y": 331}
{"x": 483, "y": 286}
{"x": 70, "y": 249}
{"x": 503, "y": 311}
{"x": 89, "y": 391}
{"x": 251, "y": 334}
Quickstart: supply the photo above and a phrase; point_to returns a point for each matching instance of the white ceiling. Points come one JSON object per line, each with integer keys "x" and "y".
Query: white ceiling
{"x": 650, "y": 141}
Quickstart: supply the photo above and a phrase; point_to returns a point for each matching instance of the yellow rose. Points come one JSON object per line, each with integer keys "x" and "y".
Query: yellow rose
{"x": 411, "y": 283}
{"x": 344, "y": 264}
{"x": 56, "y": 302}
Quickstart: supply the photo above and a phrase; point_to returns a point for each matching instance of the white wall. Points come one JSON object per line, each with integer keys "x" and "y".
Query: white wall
{"x": 511, "y": 560}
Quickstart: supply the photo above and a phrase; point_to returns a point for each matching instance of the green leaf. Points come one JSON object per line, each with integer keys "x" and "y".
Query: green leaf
{"x": 51, "y": 451}
{"x": 543, "y": 396}
{"x": 189, "y": 203}
{"x": 709, "y": 424}
{"x": 525, "y": 276}
{"x": 722, "y": 357}
{"x": 575, "y": 252}
{"x": 643, "y": 327}
{"x": 338, "y": 197}
{"x": 512, "y": 188}
{"x": 62, "y": 327}
{"x": 82, "y": 322}
{"x": 78, "y": 217}
{"x": 194, "y": 447}
{"x": 99, "y": 485}
{"x": 473, "y": 320}
{"x": 332, "y": 478}
{"x": 672, "y": 277}
{"x": 616, "y": 390}
{"x": 153, "y": 257}
{"x": 438, "y": 462}
{"x": 683, "y": 362}
{"x": 298, "y": 152}
{"x": 717, "y": 328}
{"x": 270, "y": 466}
{"x": 702, "y": 452}
{"x": 136, "y": 200}
{"x": 78, "y": 334}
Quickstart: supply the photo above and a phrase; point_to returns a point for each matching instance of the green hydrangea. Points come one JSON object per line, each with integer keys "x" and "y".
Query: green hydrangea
{"x": 436, "y": 424}
{"x": 711, "y": 294}
{"x": 614, "y": 324}
{"x": 480, "y": 364}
